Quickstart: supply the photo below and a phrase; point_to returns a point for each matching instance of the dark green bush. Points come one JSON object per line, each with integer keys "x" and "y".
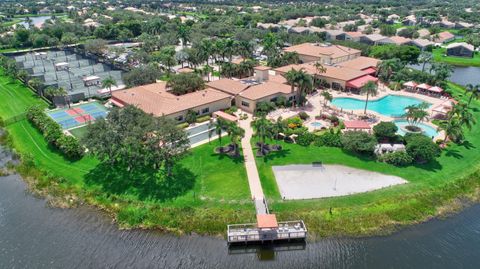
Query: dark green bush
{"x": 359, "y": 142}
{"x": 305, "y": 139}
{"x": 68, "y": 145}
{"x": 398, "y": 158}
{"x": 421, "y": 148}
{"x": 303, "y": 115}
{"x": 328, "y": 139}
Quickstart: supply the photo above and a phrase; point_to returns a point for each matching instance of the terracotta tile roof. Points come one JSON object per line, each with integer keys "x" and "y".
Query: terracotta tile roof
{"x": 355, "y": 34}
{"x": 461, "y": 44}
{"x": 400, "y": 40}
{"x": 360, "y": 63}
{"x": 265, "y": 89}
{"x": 313, "y": 49}
{"x": 335, "y": 72}
{"x": 229, "y": 86}
{"x": 422, "y": 42}
{"x": 356, "y": 124}
{"x": 443, "y": 36}
{"x": 267, "y": 221}
{"x": 155, "y": 99}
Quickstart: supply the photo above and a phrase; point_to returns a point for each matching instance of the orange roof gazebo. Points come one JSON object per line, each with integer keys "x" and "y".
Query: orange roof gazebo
{"x": 267, "y": 221}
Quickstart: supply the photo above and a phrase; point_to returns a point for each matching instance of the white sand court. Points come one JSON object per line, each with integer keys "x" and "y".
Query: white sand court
{"x": 320, "y": 181}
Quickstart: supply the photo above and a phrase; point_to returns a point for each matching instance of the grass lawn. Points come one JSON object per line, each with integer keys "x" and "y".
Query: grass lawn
{"x": 439, "y": 56}
{"x": 209, "y": 192}
{"x": 79, "y": 132}
{"x": 366, "y": 213}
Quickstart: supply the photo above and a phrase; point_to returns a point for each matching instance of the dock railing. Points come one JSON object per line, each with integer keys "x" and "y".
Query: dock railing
{"x": 286, "y": 230}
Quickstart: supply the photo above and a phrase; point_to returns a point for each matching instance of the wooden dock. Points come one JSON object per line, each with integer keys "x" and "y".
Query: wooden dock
{"x": 252, "y": 233}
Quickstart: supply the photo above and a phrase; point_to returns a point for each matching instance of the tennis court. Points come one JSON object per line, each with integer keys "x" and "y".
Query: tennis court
{"x": 78, "y": 115}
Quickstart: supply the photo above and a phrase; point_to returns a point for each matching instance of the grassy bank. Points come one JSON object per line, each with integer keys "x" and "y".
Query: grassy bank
{"x": 208, "y": 192}
{"x": 432, "y": 187}
{"x": 439, "y": 56}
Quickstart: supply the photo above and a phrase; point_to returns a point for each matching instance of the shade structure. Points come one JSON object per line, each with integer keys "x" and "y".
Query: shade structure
{"x": 424, "y": 86}
{"x": 225, "y": 116}
{"x": 265, "y": 221}
{"x": 410, "y": 84}
{"x": 435, "y": 89}
{"x": 356, "y": 124}
{"x": 361, "y": 81}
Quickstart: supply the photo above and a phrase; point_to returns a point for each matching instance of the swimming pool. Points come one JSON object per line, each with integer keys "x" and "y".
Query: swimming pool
{"x": 316, "y": 124}
{"x": 390, "y": 105}
{"x": 427, "y": 129}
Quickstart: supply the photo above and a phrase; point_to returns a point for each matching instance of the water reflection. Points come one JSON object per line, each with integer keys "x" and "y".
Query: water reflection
{"x": 462, "y": 75}
{"x": 265, "y": 252}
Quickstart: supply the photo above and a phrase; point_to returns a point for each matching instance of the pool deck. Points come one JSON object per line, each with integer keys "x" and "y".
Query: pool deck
{"x": 315, "y": 107}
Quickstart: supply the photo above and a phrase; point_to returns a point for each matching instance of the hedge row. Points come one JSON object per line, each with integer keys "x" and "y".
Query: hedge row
{"x": 68, "y": 145}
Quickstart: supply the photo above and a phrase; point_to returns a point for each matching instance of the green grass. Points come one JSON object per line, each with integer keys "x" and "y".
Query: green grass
{"x": 439, "y": 56}
{"x": 79, "y": 132}
{"x": 209, "y": 190}
{"x": 384, "y": 208}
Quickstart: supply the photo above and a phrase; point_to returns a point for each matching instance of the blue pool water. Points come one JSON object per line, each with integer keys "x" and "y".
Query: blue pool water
{"x": 427, "y": 129}
{"x": 316, "y": 124}
{"x": 390, "y": 105}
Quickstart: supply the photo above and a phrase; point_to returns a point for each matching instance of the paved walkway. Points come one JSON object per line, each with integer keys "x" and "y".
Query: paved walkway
{"x": 251, "y": 167}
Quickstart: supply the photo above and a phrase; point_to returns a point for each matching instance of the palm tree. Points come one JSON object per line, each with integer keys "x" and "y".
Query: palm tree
{"x": 463, "y": 114}
{"x": 416, "y": 113}
{"x": 452, "y": 128}
{"x": 53, "y": 92}
{"x": 302, "y": 80}
{"x": 229, "y": 48}
{"x": 475, "y": 92}
{"x": 370, "y": 88}
{"x": 108, "y": 83}
{"x": 183, "y": 33}
{"x": 236, "y": 133}
{"x": 327, "y": 97}
{"x": 220, "y": 124}
{"x": 386, "y": 68}
{"x": 442, "y": 71}
{"x": 279, "y": 126}
{"x": 319, "y": 69}
{"x": 262, "y": 127}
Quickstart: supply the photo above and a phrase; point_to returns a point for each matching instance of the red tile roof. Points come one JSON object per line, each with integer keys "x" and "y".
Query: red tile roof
{"x": 356, "y": 124}
{"x": 267, "y": 221}
{"x": 361, "y": 81}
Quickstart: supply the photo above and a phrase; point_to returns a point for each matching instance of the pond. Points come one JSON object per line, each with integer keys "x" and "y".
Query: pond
{"x": 37, "y": 21}
{"x": 462, "y": 75}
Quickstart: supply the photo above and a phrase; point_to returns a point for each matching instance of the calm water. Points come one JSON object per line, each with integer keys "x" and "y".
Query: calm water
{"x": 462, "y": 75}
{"x": 37, "y": 21}
{"x": 427, "y": 129}
{"x": 35, "y": 236}
{"x": 390, "y": 105}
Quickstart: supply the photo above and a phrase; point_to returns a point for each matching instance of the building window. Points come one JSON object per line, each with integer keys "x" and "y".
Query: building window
{"x": 179, "y": 118}
{"x": 205, "y": 110}
{"x": 245, "y": 104}
{"x": 273, "y": 99}
{"x": 291, "y": 98}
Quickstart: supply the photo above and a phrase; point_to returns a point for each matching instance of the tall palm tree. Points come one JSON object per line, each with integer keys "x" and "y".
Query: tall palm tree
{"x": 300, "y": 79}
{"x": 319, "y": 69}
{"x": 370, "y": 88}
{"x": 36, "y": 84}
{"x": 463, "y": 114}
{"x": 108, "y": 83}
{"x": 229, "y": 48}
{"x": 53, "y": 92}
{"x": 474, "y": 92}
{"x": 183, "y": 33}
{"x": 236, "y": 133}
{"x": 220, "y": 125}
{"x": 262, "y": 127}
{"x": 327, "y": 97}
{"x": 452, "y": 128}
{"x": 387, "y": 68}
{"x": 416, "y": 113}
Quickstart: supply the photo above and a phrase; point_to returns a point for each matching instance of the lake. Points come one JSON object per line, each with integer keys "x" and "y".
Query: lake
{"x": 37, "y": 21}
{"x": 33, "y": 235}
{"x": 462, "y": 75}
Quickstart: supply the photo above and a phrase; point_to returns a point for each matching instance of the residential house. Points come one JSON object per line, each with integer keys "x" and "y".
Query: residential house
{"x": 375, "y": 39}
{"x": 422, "y": 33}
{"x": 324, "y": 53}
{"x": 443, "y": 37}
{"x": 353, "y": 36}
{"x": 400, "y": 40}
{"x": 461, "y": 49}
{"x": 410, "y": 21}
{"x": 463, "y": 25}
{"x": 421, "y": 43}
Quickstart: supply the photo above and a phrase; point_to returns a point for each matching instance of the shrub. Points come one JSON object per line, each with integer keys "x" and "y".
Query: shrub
{"x": 421, "y": 148}
{"x": 191, "y": 116}
{"x": 231, "y": 110}
{"x": 398, "y": 158}
{"x": 68, "y": 145}
{"x": 359, "y": 142}
{"x": 183, "y": 125}
{"x": 303, "y": 115}
{"x": 385, "y": 130}
{"x": 328, "y": 139}
{"x": 203, "y": 119}
{"x": 305, "y": 139}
